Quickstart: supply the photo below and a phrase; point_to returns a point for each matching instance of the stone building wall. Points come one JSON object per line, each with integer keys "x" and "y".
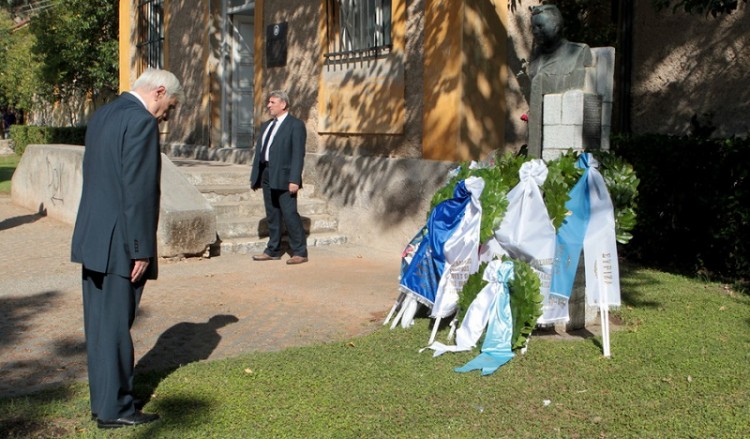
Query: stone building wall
{"x": 690, "y": 64}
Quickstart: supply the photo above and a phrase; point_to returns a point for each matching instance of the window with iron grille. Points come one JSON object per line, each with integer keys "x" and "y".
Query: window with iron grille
{"x": 357, "y": 29}
{"x": 150, "y": 45}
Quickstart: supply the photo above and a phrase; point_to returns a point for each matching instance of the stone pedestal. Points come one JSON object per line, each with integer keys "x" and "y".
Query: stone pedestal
{"x": 581, "y": 315}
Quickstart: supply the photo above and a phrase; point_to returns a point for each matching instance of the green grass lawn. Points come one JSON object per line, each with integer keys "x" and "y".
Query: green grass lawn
{"x": 680, "y": 368}
{"x": 8, "y": 165}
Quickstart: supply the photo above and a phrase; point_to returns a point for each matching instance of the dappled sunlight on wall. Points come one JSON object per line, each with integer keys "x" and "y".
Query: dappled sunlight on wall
{"x": 465, "y": 77}
{"x": 485, "y": 73}
{"x": 363, "y": 97}
{"x": 686, "y": 65}
{"x": 299, "y": 77}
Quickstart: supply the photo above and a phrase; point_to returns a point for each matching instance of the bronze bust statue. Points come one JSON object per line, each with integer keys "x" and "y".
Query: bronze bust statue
{"x": 556, "y": 65}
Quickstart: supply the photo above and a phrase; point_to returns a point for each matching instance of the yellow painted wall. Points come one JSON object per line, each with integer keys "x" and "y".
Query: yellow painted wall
{"x": 260, "y": 94}
{"x": 484, "y": 79}
{"x": 442, "y": 79}
{"x": 464, "y": 78}
{"x": 365, "y": 97}
{"x": 125, "y": 45}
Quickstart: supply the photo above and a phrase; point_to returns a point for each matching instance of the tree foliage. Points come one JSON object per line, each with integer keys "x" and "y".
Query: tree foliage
{"x": 713, "y": 7}
{"x": 18, "y": 65}
{"x": 593, "y": 22}
{"x": 77, "y": 43}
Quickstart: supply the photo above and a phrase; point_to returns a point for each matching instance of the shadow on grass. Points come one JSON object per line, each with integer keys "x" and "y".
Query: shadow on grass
{"x": 178, "y": 416}
{"x": 182, "y": 344}
{"x": 6, "y": 174}
{"x": 633, "y": 281}
{"x": 30, "y": 421}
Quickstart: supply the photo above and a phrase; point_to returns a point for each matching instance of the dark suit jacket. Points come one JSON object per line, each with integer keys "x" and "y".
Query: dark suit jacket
{"x": 119, "y": 210}
{"x": 286, "y": 157}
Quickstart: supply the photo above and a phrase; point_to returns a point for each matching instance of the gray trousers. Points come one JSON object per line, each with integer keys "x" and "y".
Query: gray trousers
{"x": 109, "y": 305}
{"x": 280, "y": 206}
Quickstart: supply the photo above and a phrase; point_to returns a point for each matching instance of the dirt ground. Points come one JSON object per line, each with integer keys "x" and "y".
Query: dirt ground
{"x": 198, "y": 308}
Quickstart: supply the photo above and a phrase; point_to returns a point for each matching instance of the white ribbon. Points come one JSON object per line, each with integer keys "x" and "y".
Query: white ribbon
{"x": 476, "y": 317}
{"x": 600, "y": 245}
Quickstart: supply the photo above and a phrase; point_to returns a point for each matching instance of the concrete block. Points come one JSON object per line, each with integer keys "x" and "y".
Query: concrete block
{"x": 49, "y": 178}
{"x": 563, "y": 137}
{"x": 187, "y": 222}
{"x": 589, "y": 79}
{"x": 573, "y": 136}
{"x": 553, "y": 109}
{"x": 552, "y": 137}
{"x": 605, "y": 71}
{"x": 572, "y": 107}
{"x": 606, "y": 113}
{"x": 549, "y": 154}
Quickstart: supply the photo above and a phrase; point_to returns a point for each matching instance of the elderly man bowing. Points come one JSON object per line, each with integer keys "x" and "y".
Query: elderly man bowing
{"x": 115, "y": 236}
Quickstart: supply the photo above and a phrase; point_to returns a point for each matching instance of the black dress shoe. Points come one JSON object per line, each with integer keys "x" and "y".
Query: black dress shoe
{"x": 137, "y": 403}
{"x": 136, "y": 419}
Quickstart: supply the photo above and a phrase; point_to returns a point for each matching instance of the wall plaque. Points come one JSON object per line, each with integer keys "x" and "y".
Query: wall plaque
{"x": 276, "y": 45}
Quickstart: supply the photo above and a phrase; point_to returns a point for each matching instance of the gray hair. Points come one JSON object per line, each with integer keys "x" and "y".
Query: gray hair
{"x": 281, "y": 95}
{"x": 155, "y": 78}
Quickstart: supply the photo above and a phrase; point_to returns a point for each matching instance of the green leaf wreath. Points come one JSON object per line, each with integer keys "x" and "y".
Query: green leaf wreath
{"x": 525, "y": 302}
{"x": 622, "y": 184}
{"x": 500, "y": 174}
{"x": 525, "y": 299}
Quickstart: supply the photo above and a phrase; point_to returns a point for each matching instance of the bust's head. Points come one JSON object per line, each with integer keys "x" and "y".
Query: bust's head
{"x": 546, "y": 25}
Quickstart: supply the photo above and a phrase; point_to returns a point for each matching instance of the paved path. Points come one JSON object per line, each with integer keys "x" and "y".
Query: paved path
{"x": 197, "y": 309}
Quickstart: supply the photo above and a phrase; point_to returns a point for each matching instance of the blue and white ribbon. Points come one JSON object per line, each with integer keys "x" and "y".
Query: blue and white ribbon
{"x": 461, "y": 252}
{"x": 496, "y": 348}
{"x": 476, "y": 317}
{"x": 571, "y": 234}
{"x": 436, "y": 252}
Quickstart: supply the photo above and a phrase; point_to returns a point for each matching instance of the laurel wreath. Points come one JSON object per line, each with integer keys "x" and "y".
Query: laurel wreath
{"x": 500, "y": 174}
{"x": 525, "y": 298}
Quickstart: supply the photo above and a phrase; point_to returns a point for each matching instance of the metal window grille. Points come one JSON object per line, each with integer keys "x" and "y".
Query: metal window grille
{"x": 150, "y": 45}
{"x": 357, "y": 29}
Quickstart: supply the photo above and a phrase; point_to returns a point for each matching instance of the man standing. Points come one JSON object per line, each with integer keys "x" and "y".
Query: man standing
{"x": 277, "y": 168}
{"x": 115, "y": 236}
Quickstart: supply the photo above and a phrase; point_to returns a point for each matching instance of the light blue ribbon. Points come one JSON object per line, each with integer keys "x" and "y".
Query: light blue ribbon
{"x": 496, "y": 348}
{"x": 571, "y": 234}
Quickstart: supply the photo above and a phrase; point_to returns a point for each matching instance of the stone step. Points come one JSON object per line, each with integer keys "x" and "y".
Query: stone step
{"x": 218, "y": 173}
{"x": 256, "y": 226}
{"x": 248, "y": 246}
{"x": 231, "y": 193}
{"x": 240, "y": 213}
{"x": 213, "y": 173}
{"x": 254, "y": 207}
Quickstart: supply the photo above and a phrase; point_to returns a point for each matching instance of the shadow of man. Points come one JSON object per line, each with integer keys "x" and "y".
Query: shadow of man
{"x": 179, "y": 345}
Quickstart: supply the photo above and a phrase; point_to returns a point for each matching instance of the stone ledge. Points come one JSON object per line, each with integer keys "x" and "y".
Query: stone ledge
{"x": 49, "y": 177}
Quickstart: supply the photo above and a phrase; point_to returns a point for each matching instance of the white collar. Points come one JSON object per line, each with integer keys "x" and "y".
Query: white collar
{"x": 139, "y": 98}
{"x": 281, "y": 118}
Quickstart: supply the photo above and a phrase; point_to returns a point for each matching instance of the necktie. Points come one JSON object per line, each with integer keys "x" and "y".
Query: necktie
{"x": 264, "y": 147}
